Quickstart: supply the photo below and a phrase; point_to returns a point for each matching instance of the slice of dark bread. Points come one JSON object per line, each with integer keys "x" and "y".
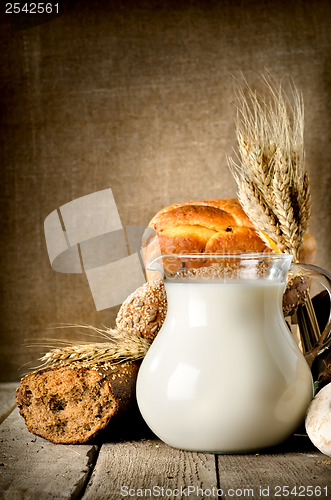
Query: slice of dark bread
{"x": 72, "y": 403}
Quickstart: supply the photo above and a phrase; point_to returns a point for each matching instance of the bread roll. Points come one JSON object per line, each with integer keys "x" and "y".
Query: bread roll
{"x": 206, "y": 226}
{"x": 144, "y": 311}
{"x": 318, "y": 420}
{"x": 212, "y": 226}
{"x": 307, "y": 252}
{"x": 72, "y": 403}
{"x": 295, "y": 295}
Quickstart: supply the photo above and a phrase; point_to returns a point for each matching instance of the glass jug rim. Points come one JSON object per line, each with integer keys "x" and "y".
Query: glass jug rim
{"x": 182, "y": 267}
{"x": 285, "y": 257}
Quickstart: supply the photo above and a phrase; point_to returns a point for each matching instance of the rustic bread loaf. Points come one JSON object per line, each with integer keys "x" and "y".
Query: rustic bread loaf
{"x": 72, "y": 403}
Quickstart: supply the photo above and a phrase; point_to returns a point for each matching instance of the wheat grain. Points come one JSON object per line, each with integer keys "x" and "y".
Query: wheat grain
{"x": 120, "y": 346}
{"x": 283, "y": 204}
{"x": 273, "y": 186}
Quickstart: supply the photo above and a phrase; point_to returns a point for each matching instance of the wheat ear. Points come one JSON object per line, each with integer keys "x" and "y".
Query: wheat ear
{"x": 120, "y": 346}
{"x": 273, "y": 186}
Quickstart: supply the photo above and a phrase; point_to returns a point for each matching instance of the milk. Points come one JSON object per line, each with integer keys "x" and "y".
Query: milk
{"x": 224, "y": 374}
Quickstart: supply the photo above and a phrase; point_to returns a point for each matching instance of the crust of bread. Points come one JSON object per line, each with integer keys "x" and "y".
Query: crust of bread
{"x": 72, "y": 403}
{"x": 211, "y": 226}
{"x": 231, "y": 206}
{"x": 144, "y": 311}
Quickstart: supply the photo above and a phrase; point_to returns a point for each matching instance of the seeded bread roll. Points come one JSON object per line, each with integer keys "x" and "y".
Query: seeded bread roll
{"x": 144, "y": 310}
{"x": 295, "y": 295}
{"x": 72, "y": 403}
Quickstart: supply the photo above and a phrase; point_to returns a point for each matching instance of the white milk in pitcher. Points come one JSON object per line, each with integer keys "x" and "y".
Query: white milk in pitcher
{"x": 224, "y": 374}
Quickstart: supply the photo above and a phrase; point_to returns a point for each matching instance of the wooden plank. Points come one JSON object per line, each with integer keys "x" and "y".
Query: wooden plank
{"x": 134, "y": 468}
{"x": 274, "y": 474}
{"x": 33, "y": 468}
{"x": 7, "y": 398}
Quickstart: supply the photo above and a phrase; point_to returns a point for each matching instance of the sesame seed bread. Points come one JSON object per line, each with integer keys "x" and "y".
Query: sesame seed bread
{"x": 144, "y": 310}
{"x": 295, "y": 295}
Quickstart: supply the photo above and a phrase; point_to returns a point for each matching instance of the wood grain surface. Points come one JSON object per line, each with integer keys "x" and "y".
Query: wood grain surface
{"x": 32, "y": 468}
{"x": 271, "y": 472}
{"x": 125, "y": 468}
{"x": 7, "y": 399}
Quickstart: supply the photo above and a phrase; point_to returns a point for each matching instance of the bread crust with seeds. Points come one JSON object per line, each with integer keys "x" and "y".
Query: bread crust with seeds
{"x": 144, "y": 311}
{"x": 295, "y": 295}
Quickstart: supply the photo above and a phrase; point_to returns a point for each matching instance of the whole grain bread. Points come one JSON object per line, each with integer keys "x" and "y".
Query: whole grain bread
{"x": 144, "y": 311}
{"x": 73, "y": 403}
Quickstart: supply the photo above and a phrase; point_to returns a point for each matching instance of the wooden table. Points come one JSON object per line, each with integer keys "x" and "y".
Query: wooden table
{"x": 144, "y": 467}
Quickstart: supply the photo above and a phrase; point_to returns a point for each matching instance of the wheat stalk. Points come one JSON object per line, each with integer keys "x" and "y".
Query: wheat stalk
{"x": 120, "y": 346}
{"x": 273, "y": 186}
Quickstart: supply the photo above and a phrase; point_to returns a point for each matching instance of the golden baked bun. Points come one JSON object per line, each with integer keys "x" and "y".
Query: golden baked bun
{"x": 206, "y": 226}
{"x": 212, "y": 226}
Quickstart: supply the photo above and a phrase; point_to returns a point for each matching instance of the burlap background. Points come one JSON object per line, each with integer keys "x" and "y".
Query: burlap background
{"x": 136, "y": 96}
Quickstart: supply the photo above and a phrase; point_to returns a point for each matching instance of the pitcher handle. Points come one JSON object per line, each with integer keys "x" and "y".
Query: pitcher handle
{"x": 324, "y": 278}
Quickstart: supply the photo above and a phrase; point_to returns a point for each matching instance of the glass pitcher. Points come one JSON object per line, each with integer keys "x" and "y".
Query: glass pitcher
{"x": 224, "y": 374}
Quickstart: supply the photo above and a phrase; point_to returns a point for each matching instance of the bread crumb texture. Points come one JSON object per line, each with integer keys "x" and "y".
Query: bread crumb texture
{"x": 71, "y": 404}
